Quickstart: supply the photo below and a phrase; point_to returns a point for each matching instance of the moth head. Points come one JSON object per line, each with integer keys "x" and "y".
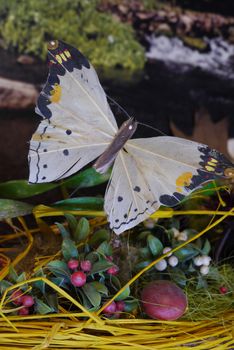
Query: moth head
{"x": 53, "y": 44}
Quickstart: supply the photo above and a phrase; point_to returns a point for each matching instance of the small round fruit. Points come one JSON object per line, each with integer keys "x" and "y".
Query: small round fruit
{"x": 23, "y": 311}
{"x": 223, "y": 290}
{"x": 163, "y": 300}
{"x": 16, "y": 297}
{"x": 73, "y": 264}
{"x": 120, "y": 305}
{"x": 27, "y": 300}
{"x": 161, "y": 265}
{"x": 86, "y": 265}
{"x": 113, "y": 270}
{"x": 78, "y": 279}
{"x": 110, "y": 309}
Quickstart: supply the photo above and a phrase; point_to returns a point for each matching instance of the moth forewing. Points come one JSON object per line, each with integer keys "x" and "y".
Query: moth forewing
{"x": 124, "y": 133}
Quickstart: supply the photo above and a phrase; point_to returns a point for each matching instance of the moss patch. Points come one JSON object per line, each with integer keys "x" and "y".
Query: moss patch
{"x": 26, "y": 25}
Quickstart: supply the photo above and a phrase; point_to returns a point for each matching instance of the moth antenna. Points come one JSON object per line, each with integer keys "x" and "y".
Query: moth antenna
{"x": 151, "y": 127}
{"x": 118, "y": 105}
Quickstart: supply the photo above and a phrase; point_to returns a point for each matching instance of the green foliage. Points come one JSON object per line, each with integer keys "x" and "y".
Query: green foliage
{"x": 27, "y": 24}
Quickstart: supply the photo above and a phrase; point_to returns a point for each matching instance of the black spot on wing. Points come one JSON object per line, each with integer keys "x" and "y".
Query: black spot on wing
{"x": 171, "y": 201}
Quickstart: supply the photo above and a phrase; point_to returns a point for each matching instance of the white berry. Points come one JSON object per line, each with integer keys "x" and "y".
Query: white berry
{"x": 206, "y": 260}
{"x": 182, "y": 236}
{"x": 161, "y": 265}
{"x": 166, "y": 250}
{"x": 173, "y": 261}
{"x": 175, "y": 232}
{"x": 204, "y": 270}
{"x": 198, "y": 260}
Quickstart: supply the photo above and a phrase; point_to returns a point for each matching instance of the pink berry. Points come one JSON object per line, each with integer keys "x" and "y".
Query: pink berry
{"x": 110, "y": 309}
{"x": 113, "y": 270}
{"x": 78, "y": 279}
{"x": 16, "y": 297}
{"x": 223, "y": 290}
{"x": 23, "y": 311}
{"x": 73, "y": 264}
{"x": 27, "y": 300}
{"x": 120, "y": 305}
{"x": 86, "y": 265}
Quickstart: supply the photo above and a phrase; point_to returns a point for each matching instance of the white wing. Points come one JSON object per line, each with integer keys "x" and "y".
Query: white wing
{"x": 78, "y": 123}
{"x": 155, "y": 171}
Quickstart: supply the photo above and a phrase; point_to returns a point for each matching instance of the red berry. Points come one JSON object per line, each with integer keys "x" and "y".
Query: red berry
{"x": 223, "y": 290}
{"x": 120, "y": 305}
{"x": 110, "y": 309}
{"x": 78, "y": 279}
{"x": 73, "y": 264}
{"x": 27, "y": 300}
{"x": 113, "y": 270}
{"x": 86, "y": 265}
{"x": 23, "y": 311}
{"x": 16, "y": 297}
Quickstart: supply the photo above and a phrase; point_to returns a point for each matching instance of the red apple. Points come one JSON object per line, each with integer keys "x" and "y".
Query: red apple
{"x": 163, "y": 300}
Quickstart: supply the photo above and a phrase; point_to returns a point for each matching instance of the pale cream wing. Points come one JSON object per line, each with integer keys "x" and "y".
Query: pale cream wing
{"x": 155, "y": 171}
{"x": 78, "y": 123}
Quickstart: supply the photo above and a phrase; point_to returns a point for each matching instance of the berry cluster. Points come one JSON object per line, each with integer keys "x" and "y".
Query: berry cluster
{"x": 81, "y": 268}
{"x": 25, "y": 301}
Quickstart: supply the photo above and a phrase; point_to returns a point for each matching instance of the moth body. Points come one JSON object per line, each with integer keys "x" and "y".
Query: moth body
{"x": 124, "y": 133}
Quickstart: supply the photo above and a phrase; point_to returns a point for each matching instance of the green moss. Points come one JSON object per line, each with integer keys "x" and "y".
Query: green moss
{"x": 27, "y": 24}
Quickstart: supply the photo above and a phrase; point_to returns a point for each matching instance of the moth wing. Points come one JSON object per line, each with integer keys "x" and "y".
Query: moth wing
{"x": 155, "y": 171}
{"x": 78, "y": 123}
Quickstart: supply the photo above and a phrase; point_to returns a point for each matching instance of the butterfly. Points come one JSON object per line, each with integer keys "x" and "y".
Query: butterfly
{"x": 78, "y": 127}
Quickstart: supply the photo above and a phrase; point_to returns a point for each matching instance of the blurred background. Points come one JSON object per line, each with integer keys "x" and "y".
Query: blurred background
{"x": 170, "y": 64}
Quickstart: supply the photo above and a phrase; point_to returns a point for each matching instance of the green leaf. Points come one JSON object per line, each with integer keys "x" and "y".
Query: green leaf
{"x": 80, "y": 203}
{"x": 206, "y": 247}
{"x": 104, "y": 249}
{"x": 87, "y": 178}
{"x": 155, "y": 245}
{"x": 69, "y": 249}
{"x": 143, "y": 264}
{"x": 62, "y": 230}
{"x": 11, "y": 208}
{"x": 4, "y": 285}
{"x": 92, "y": 256}
{"x": 59, "y": 268}
{"x": 144, "y": 252}
{"x": 72, "y": 222}
{"x": 40, "y": 284}
{"x": 125, "y": 293}
{"x": 82, "y": 230}
{"x": 92, "y": 294}
{"x": 100, "y": 287}
{"x": 52, "y": 300}
{"x": 100, "y": 266}
{"x": 98, "y": 237}
{"x": 12, "y": 275}
{"x": 21, "y": 277}
{"x": 60, "y": 282}
{"x": 185, "y": 253}
{"x": 130, "y": 305}
{"x": 19, "y": 189}
{"x": 143, "y": 235}
{"x": 42, "y": 308}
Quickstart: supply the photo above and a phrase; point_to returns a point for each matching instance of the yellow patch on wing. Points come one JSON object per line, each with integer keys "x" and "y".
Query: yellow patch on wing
{"x": 183, "y": 180}
{"x": 56, "y": 93}
{"x": 209, "y": 168}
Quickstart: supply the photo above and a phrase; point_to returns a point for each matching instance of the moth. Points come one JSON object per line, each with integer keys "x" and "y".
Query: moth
{"x": 78, "y": 127}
